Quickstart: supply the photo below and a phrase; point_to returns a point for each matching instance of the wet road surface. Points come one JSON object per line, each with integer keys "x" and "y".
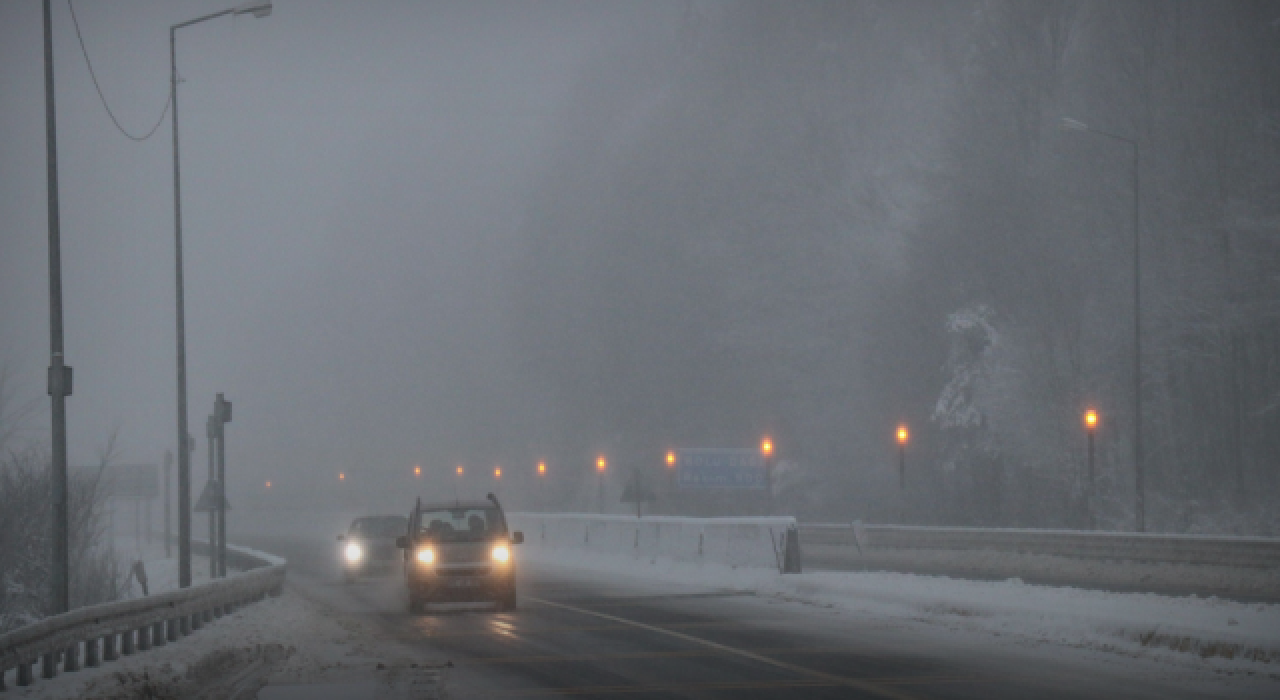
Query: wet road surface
{"x": 581, "y": 634}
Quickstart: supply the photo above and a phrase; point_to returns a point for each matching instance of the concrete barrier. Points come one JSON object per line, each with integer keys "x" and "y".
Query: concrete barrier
{"x": 1247, "y": 567}
{"x": 745, "y": 542}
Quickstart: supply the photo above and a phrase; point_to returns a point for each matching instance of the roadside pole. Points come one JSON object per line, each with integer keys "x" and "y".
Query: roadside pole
{"x": 222, "y": 409}
{"x": 211, "y": 436}
{"x": 59, "y": 374}
{"x": 168, "y": 535}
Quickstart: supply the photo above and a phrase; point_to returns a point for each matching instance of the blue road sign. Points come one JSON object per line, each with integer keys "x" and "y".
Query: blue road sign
{"x": 712, "y": 468}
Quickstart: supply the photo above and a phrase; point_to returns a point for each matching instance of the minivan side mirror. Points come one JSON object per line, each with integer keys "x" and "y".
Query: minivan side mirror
{"x": 402, "y": 542}
{"x": 517, "y": 537}
{"x": 342, "y": 538}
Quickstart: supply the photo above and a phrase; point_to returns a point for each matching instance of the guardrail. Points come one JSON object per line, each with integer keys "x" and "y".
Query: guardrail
{"x": 748, "y": 541}
{"x": 139, "y": 624}
{"x": 1237, "y": 566}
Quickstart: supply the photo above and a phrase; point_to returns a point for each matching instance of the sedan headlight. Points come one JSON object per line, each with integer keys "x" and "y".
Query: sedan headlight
{"x": 501, "y": 553}
{"x": 426, "y": 556}
{"x": 354, "y": 552}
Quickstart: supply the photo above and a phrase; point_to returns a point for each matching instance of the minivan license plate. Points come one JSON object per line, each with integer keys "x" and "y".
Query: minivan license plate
{"x": 462, "y": 582}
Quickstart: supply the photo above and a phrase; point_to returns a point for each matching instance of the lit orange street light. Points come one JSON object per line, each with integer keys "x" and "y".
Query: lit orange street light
{"x": 459, "y": 470}
{"x": 1090, "y": 427}
{"x": 766, "y": 451}
{"x": 903, "y": 437}
{"x": 342, "y": 476}
{"x": 417, "y": 471}
{"x": 542, "y": 468}
{"x": 497, "y": 473}
{"x": 268, "y": 484}
{"x": 671, "y": 458}
{"x": 601, "y": 465}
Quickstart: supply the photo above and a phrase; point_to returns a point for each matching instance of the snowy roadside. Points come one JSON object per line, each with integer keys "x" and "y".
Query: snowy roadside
{"x": 161, "y": 571}
{"x": 1226, "y": 634}
{"x": 278, "y": 641}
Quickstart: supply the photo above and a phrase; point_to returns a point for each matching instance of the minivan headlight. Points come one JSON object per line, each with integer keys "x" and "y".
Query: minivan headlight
{"x": 426, "y": 556}
{"x": 354, "y": 552}
{"x": 501, "y": 553}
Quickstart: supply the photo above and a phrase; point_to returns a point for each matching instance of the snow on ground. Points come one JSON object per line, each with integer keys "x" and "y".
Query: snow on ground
{"x": 280, "y": 641}
{"x": 1227, "y": 634}
{"x": 161, "y": 571}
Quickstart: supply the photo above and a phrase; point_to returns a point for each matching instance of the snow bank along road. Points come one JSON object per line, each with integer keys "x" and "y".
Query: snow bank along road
{"x": 600, "y": 627}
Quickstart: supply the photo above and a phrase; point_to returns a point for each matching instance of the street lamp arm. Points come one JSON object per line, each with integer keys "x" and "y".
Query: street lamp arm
{"x": 198, "y": 20}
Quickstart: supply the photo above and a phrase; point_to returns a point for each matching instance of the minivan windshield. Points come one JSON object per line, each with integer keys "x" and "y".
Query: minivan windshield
{"x": 461, "y": 524}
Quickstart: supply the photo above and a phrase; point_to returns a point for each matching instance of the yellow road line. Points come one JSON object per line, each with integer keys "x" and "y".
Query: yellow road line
{"x": 865, "y": 686}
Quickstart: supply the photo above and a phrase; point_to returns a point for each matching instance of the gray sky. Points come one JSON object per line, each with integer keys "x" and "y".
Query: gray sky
{"x": 354, "y": 175}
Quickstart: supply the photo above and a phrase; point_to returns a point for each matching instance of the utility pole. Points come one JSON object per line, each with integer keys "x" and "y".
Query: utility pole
{"x": 211, "y": 437}
{"x": 168, "y": 536}
{"x": 222, "y": 409}
{"x": 59, "y": 380}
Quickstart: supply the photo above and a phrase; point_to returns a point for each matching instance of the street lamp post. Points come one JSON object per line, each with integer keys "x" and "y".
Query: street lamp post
{"x": 1069, "y": 124}
{"x": 902, "y": 436}
{"x": 1090, "y": 425}
{"x": 542, "y": 480}
{"x": 601, "y": 465}
{"x": 766, "y": 451}
{"x": 258, "y": 8}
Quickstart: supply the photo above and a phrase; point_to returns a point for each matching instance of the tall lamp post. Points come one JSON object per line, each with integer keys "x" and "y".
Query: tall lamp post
{"x": 258, "y": 8}
{"x": 1068, "y": 124}
{"x": 902, "y": 436}
{"x": 766, "y": 452}
{"x": 1090, "y": 427}
{"x": 601, "y": 465}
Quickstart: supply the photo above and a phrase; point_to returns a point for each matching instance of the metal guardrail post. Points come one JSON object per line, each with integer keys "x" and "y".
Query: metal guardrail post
{"x": 127, "y": 642}
{"x": 71, "y": 658}
{"x": 49, "y": 664}
{"x": 109, "y": 648}
{"x": 144, "y": 638}
{"x": 91, "y": 653}
{"x": 24, "y": 674}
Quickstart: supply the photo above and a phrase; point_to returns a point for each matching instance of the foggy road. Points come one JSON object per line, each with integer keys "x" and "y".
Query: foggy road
{"x": 579, "y": 634}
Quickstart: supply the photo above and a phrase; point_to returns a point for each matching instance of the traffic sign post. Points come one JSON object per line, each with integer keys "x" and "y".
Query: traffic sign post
{"x": 638, "y": 492}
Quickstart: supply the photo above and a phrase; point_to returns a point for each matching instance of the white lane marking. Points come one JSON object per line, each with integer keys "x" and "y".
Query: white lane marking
{"x": 830, "y": 678}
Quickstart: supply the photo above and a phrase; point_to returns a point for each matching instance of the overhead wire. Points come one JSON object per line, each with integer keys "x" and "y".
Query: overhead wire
{"x": 168, "y": 103}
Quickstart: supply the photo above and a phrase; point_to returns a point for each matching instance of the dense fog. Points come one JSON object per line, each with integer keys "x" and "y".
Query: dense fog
{"x": 492, "y": 234}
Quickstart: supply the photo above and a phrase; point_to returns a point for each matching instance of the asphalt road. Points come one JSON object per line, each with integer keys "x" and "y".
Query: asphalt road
{"x": 587, "y": 635}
